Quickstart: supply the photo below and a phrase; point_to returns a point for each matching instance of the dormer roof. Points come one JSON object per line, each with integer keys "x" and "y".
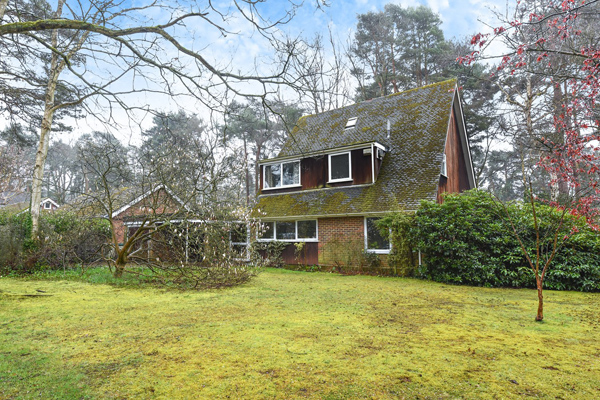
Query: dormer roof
{"x": 418, "y": 123}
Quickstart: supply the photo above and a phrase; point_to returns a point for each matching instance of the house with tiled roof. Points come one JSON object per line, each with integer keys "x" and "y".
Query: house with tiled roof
{"x": 128, "y": 208}
{"x": 341, "y": 170}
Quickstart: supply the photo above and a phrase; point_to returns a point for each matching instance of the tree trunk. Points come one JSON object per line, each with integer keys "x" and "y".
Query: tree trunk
{"x": 540, "y": 311}
{"x": 40, "y": 158}
{"x": 3, "y": 4}
{"x": 257, "y": 168}
{"x": 120, "y": 263}
{"x": 42, "y": 151}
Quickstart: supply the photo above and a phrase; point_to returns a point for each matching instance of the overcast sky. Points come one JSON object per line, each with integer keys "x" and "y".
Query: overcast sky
{"x": 461, "y": 18}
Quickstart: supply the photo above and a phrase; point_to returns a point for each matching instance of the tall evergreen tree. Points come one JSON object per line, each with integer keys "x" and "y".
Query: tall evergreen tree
{"x": 398, "y": 49}
{"x": 262, "y": 132}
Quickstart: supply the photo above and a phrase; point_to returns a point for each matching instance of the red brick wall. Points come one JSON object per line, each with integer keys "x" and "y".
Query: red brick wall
{"x": 340, "y": 239}
{"x": 342, "y": 242}
{"x": 119, "y": 229}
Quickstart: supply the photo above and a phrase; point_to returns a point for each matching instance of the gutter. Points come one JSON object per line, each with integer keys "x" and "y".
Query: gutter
{"x": 360, "y": 214}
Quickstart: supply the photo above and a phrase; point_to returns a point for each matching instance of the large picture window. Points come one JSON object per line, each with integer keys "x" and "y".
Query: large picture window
{"x": 299, "y": 231}
{"x": 340, "y": 168}
{"x": 281, "y": 175}
{"x": 374, "y": 241}
{"x": 285, "y": 230}
{"x": 307, "y": 229}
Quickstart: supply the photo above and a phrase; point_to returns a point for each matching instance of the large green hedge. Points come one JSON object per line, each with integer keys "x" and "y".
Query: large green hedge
{"x": 469, "y": 240}
{"x": 65, "y": 239}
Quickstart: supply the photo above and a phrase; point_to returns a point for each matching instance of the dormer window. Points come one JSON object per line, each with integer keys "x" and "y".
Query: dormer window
{"x": 281, "y": 175}
{"x": 340, "y": 167}
{"x": 351, "y": 123}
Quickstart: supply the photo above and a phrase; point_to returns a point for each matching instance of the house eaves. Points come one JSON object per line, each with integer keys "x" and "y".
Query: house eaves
{"x": 324, "y": 151}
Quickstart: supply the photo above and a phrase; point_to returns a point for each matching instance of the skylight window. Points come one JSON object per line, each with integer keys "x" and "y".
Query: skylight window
{"x": 351, "y": 123}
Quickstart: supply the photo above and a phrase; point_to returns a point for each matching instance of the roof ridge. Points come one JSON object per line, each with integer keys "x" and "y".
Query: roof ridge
{"x": 421, "y": 87}
{"x": 380, "y": 97}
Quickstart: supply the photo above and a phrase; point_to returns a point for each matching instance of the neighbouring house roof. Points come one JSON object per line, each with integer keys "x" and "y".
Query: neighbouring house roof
{"x": 410, "y": 172}
{"x": 96, "y": 204}
{"x": 49, "y": 200}
{"x": 142, "y": 196}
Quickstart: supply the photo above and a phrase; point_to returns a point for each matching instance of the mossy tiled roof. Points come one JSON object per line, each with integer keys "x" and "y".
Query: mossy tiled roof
{"x": 411, "y": 167}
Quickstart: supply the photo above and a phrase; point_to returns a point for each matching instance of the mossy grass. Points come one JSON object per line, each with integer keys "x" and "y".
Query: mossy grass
{"x": 288, "y": 334}
{"x": 140, "y": 278}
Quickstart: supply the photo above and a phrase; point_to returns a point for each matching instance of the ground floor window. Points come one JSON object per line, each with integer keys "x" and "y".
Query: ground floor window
{"x": 238, "y": 237}
{"x": 374, "y": 241}
{"x": 305, "y": 230}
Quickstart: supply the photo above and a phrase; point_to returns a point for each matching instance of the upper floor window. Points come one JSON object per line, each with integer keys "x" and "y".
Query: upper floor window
{"x": 340, "y": 168}
{"x": 47, "y": 205}
{"x": 282, "y": 175}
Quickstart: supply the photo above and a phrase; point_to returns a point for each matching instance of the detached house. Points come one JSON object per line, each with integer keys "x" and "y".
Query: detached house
{"x": 341, "y": 170}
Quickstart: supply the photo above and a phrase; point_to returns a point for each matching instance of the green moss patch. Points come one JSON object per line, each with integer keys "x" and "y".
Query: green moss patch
{"x": 296, "y": 335}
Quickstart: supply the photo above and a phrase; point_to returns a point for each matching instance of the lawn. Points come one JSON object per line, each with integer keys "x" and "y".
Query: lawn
{"x": 296, "y": 335}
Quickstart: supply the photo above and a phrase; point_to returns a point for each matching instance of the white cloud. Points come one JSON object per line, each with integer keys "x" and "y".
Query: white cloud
{"x": 438, "y": 5}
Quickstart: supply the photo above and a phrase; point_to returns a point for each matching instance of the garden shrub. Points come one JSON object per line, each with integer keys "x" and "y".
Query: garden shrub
{"x": 468, "y": 240}
{"x": 65, "y": 239}
{"x": 268, "y": 254}
{"x": 401, "y": 259}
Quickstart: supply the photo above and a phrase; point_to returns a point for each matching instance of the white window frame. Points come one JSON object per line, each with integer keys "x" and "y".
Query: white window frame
{"x": 245, "y": 244}
{"x": 282, "y": 186}
{"x": 376, "y": 251}
{"x": 444, "y": 171}
{"x": 315, "y": 239}
{"x": 47, "y": 205}
{"x": 351, "y": 123}
{"x": 349, "y": 179}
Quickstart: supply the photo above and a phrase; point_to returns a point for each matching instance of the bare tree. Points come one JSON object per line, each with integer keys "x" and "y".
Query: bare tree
{"x": 155, "y": 219}
{"x": 103, "y": 53}
{"x": 323, "y": 75}
{"x": 15, "y": 162}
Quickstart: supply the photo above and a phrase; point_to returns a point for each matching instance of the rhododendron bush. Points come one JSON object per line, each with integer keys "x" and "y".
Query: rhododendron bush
{"x": 557, "y": 42}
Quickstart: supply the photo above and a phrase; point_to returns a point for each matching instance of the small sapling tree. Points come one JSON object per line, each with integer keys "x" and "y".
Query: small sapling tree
{"x": 561, "y": 41}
